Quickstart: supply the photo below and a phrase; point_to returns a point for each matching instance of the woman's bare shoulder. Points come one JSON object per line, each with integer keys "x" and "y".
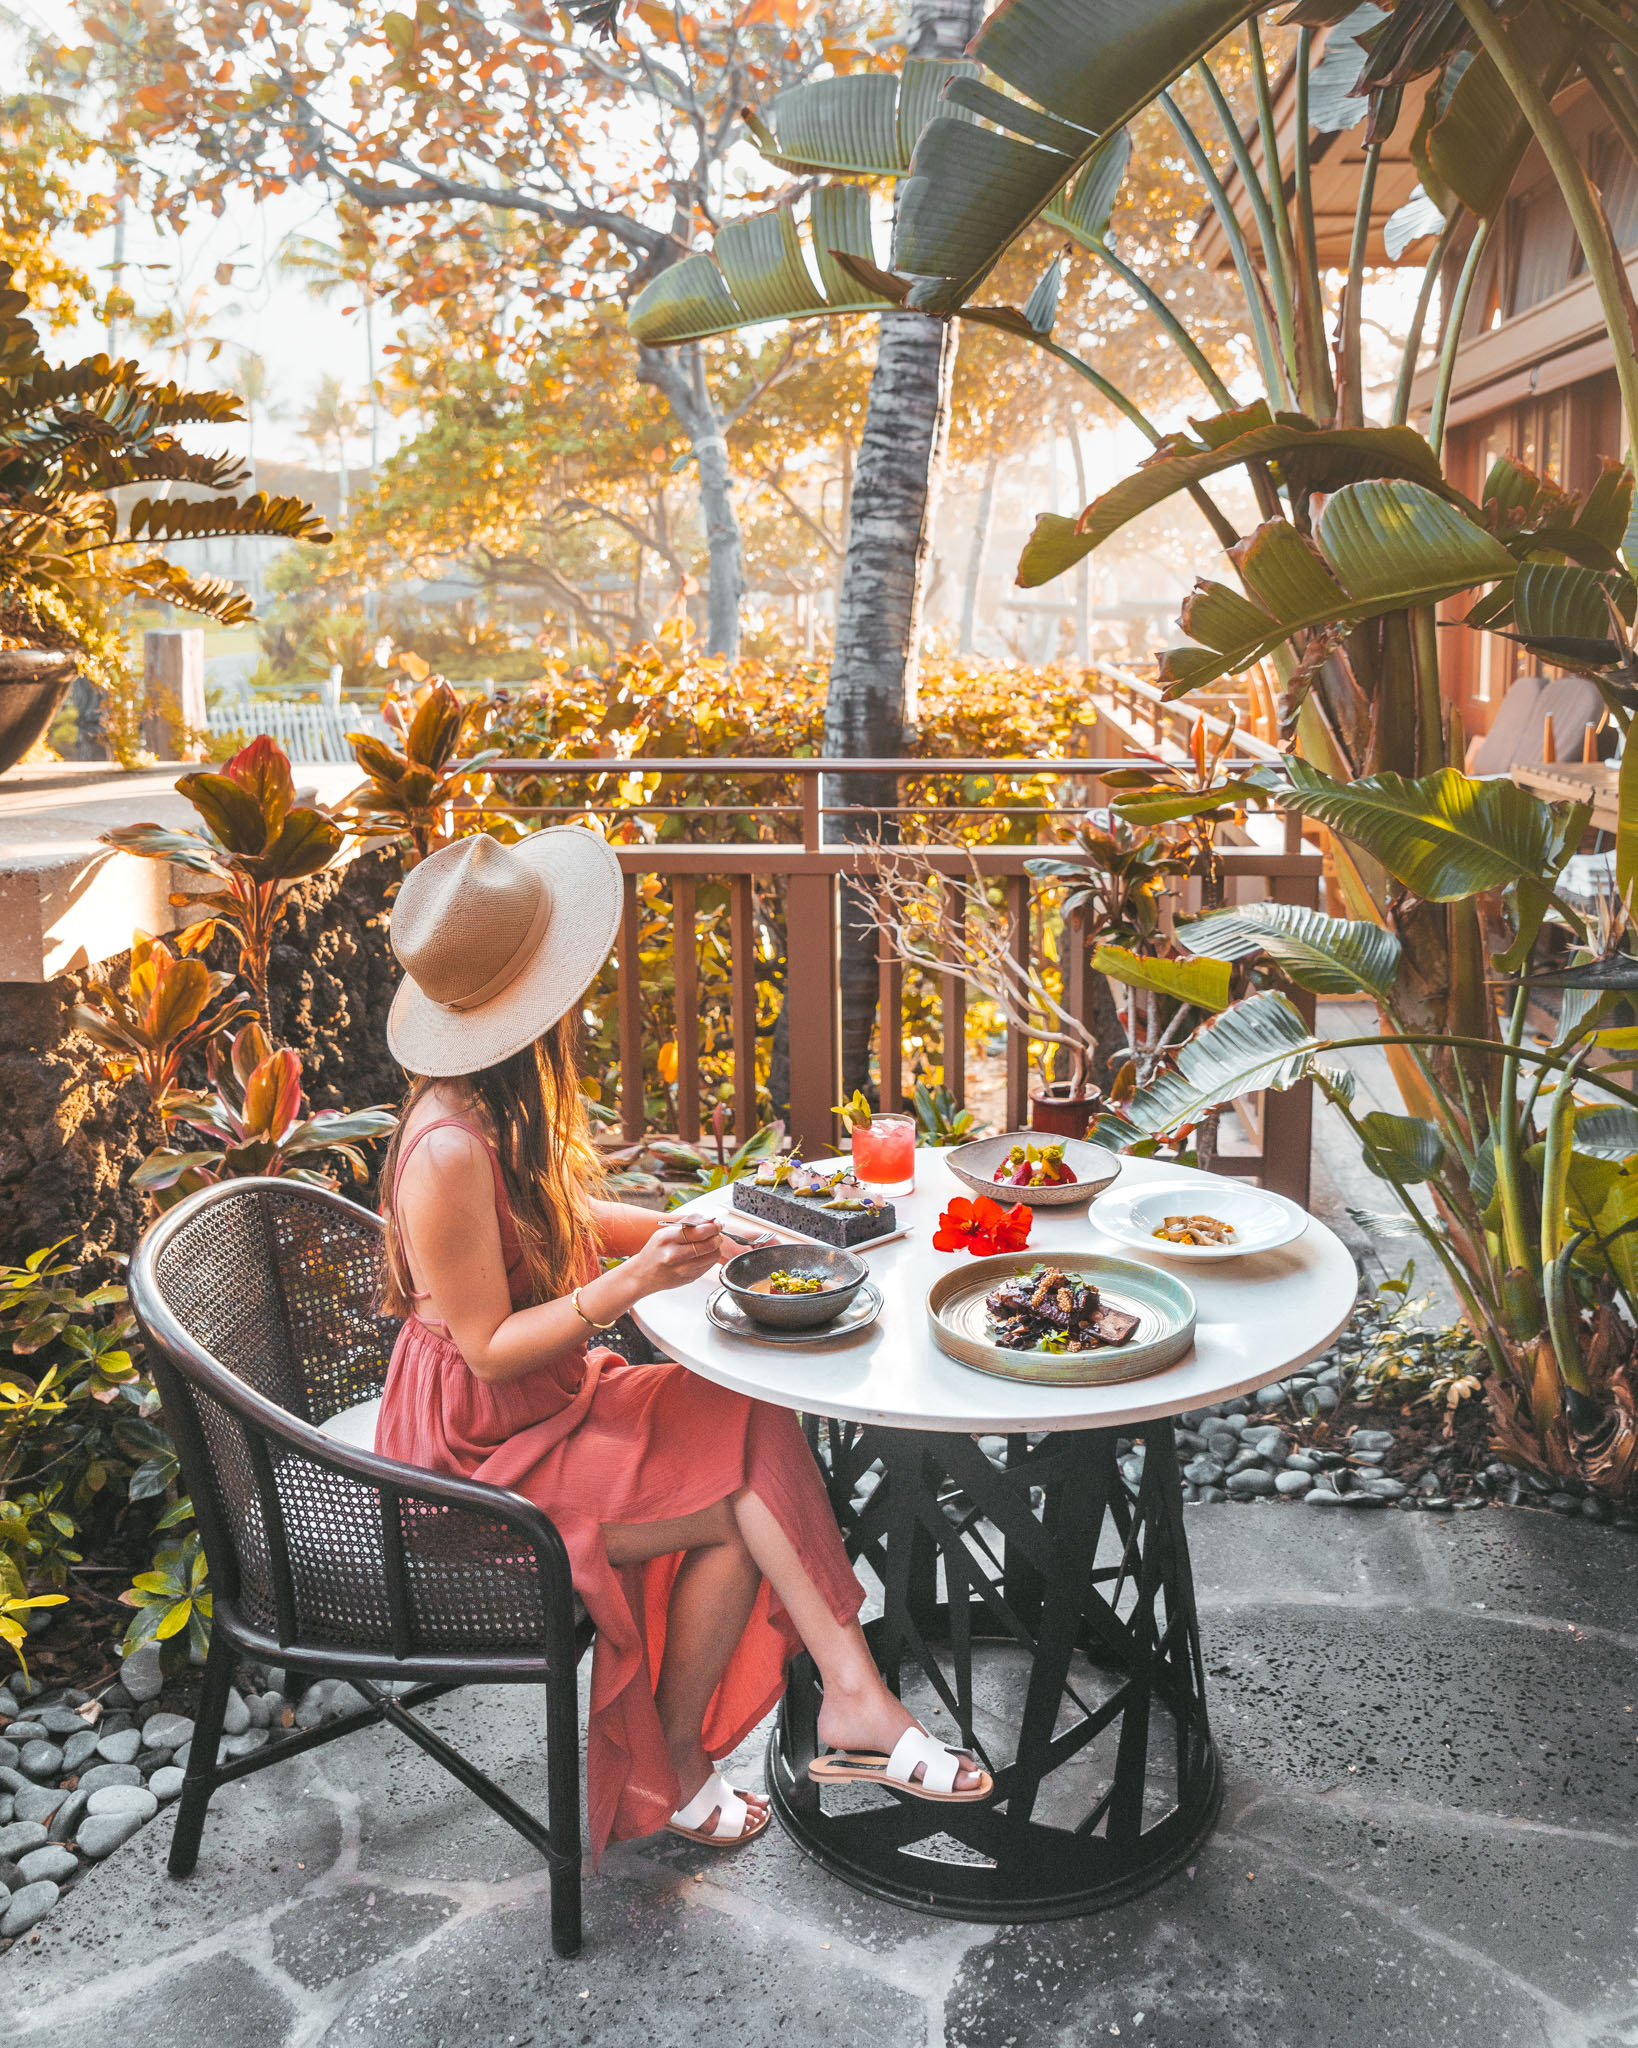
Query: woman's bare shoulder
{"x": 447, "y": 1160}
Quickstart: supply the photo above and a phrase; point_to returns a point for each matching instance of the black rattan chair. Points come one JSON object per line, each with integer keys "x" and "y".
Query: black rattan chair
{"x": 258, "y": 1301}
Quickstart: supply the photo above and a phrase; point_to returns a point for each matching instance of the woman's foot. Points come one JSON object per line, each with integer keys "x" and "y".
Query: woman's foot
{"x": 694, "y": 1768}
{"x": 872, "y": 1720}
{"x": 718, "y": 1815}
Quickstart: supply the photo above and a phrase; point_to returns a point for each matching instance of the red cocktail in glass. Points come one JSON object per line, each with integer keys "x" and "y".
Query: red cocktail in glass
{"x": 884, "y": 1154}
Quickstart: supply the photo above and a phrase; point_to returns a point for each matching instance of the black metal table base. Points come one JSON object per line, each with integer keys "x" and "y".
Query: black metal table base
{"x": 1038, "y": 1610}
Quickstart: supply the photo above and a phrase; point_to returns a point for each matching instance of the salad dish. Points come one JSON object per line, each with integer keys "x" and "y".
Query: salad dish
{"x": 1028, "y": 1166}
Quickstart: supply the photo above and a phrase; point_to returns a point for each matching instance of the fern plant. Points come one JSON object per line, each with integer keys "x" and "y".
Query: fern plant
{"x": 71, "y": 435}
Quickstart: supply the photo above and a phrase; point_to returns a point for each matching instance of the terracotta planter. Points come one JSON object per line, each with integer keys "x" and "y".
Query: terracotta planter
{"x": 1061, "y": 1113}
{"x": 33, "y": 682}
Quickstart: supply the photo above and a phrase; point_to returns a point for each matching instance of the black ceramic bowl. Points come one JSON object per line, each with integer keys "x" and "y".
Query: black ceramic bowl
{"x": 842, "y": 1273}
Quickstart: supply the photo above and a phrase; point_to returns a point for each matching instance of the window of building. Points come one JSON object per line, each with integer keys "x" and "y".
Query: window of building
{"x": 1617, "y": 175}
{"x": 1546, "y": 254}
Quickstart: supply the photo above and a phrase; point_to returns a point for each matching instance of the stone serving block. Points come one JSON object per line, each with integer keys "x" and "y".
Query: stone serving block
{"x": 841, "y": 1227}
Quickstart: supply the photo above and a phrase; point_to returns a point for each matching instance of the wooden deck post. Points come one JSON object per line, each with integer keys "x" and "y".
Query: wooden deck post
{"x": 813, "y": 1000}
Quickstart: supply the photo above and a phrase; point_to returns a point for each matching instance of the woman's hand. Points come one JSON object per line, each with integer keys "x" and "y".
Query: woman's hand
{"x": 676, "y": 1254}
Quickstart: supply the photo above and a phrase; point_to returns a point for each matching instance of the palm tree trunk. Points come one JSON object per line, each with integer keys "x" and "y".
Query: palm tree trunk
{"x": 878, "y": 610}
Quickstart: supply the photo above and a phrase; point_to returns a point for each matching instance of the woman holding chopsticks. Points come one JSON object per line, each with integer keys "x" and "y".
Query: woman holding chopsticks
{"x": 697, "y": 1526}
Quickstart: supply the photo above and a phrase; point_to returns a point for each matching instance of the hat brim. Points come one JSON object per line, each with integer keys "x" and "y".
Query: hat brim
{"x": 583, "y": 873}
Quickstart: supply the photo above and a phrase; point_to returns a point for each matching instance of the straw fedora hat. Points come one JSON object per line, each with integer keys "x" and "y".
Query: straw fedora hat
{"x": 497, "y": 943}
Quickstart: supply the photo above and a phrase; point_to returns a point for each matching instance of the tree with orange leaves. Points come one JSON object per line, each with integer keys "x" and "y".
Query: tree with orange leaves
{"x": 511, "y": 162}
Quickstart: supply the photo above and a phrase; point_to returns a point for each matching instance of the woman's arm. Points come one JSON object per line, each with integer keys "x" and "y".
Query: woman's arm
{"x": 451, "y": 1238}
{"x": 623, "y": 1228}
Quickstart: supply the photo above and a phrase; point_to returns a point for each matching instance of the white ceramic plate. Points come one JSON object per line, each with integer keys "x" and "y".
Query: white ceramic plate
{"x": 1261, "y": 1221}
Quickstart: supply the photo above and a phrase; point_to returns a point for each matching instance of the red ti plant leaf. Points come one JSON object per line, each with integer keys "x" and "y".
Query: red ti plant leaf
{"x": 250, "y": 1047}
{"x": 262, "y": 769}
{"x": 231, "y": 811}
{"x": 376, "y": 758}
{"x": 273, "y": 1098}
{"x": 306, "y": 843}
{"x": 180, "y": 990}
{"x": 436, "y": 727}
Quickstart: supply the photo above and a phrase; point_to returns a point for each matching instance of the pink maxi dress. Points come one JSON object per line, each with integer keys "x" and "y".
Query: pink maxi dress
{"x": 595, "y": 1439}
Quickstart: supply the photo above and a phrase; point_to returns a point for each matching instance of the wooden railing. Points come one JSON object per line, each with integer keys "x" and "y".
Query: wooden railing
{"x": 810, "y": 866}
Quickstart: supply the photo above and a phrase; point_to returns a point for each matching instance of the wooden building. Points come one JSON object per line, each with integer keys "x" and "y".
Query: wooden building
{"x": 1534, "y": 375}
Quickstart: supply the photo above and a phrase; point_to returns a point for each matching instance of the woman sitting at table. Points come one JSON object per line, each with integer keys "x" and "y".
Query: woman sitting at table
{"x": 697, "y": 1526}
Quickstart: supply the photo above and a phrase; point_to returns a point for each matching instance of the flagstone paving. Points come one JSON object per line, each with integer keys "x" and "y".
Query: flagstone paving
{"x": 1431, "y": 1835}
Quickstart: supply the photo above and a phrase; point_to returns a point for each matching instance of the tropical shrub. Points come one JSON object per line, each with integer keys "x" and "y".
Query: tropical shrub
{"x": 1530, "y": 1154}
{"x": 409, "y": 790}
{"x": 252, "y": 1119}
{"x": 683, "y": 707}
{"x": 175, "y": 1006}
{"x": 71, "y": 436}
{"x": 79, "y": 1443}
{"x": 256, "y": 844}
{"x": 172, "y": 1598}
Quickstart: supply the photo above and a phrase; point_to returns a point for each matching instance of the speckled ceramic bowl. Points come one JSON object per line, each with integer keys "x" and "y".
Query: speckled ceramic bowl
{"x": 1094, "y": 1167}
{"x": 842, "y": 1273}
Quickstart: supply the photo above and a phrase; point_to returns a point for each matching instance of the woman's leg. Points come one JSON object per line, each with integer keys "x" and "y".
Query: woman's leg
{"x": 858, "y": 1711}
{"x": 711, "y": 1601}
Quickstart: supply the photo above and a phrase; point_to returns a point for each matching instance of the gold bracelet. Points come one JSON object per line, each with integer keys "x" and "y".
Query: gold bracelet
{"x": 590, "y": 1322}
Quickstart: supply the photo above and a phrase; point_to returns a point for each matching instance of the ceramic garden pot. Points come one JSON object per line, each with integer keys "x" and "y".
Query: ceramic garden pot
{"x": 33, "y": 682}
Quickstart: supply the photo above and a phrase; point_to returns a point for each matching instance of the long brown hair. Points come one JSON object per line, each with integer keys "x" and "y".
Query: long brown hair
{"x": 535, "y": 1113}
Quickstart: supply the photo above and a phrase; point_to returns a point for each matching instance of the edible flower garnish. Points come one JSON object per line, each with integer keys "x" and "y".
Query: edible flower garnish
{"x": 983, "y": 1227}
{"x": 855, "y": 1112}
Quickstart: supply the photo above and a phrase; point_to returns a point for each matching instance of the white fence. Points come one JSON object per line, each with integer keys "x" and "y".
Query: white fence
{"x": 307, "y": 732}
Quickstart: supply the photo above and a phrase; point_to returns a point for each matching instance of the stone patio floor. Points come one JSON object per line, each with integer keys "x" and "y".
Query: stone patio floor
{"x": 1431, "y": 1836}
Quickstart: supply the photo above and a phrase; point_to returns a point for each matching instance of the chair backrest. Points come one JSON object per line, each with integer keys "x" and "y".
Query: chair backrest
{"x": 1516, "y": 738}
{"x": 258, "y": 1298}
{"x": 279, "y": 1281}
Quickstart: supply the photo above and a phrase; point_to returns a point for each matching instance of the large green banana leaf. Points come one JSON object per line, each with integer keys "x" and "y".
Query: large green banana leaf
{"x": 1403, "y": 1149}
{"x": 1204, "y": 983}
{"x": 1085, "y": 208}
{"x": 1260, "y": 1043}
{"x": 1608, "y": 1133}
{"x": 864, "y": 124}
{"x": 1328, "y": 956}
{"x": 1448, "y": 836}
{"x": 1305, "y": 455}
{"x": 1091, "y": 63}
{"x": 1475, "y": 138}
{"x": 1563, "y": 611}
{"x": 1380, "y": 546}
{"x": 759, "y": 273}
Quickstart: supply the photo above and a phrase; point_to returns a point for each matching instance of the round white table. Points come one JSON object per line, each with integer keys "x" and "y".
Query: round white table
{"x": 1038, "y": 1605}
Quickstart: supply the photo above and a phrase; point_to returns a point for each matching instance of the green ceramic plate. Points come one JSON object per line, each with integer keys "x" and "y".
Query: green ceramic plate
{"x": 1163, "y": 1305}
